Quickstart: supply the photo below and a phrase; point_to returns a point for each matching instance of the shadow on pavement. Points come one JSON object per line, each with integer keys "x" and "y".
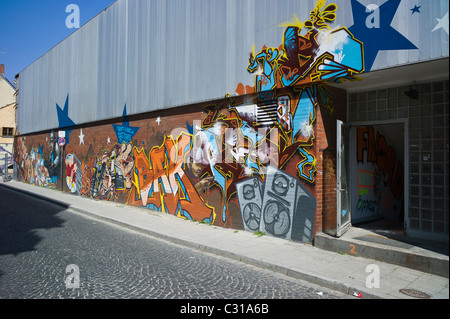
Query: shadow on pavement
{"x": 20, "y": 218}
{"x": 392, "y": 233}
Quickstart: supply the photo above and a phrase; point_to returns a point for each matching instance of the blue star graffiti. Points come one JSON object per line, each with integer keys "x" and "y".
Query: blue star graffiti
{"x": 372, "y": 26}
{"x": 65, "y": 122}
{"x": 125, "y": 132}
{"x": 415, "y": 9}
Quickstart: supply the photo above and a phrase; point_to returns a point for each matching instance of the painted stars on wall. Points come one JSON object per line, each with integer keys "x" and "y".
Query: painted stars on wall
{"x": 65, "y": 122}
{"x": 416, "y": 9}
{"x": 372, "y": 26}
{"x": 125, "y": 132}
{"x": 442, "y": 23}
{"x": 81, "y": 136}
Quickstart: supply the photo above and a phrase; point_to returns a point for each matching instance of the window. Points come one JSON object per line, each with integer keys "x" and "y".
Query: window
{"x": 8, "y": 132}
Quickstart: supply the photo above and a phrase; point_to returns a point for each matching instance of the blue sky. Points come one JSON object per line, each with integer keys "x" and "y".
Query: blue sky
{"x": 30, "y": 28}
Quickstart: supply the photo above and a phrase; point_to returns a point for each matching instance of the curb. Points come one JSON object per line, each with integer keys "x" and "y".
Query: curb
{"x": 392, "y": 255}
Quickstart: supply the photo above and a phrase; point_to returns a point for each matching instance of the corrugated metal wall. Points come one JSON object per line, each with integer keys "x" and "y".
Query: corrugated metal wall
{"x": 156, "y": 54}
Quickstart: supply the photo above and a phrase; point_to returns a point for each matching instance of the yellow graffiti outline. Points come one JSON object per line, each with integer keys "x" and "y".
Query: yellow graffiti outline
{"x": 296, "y": 23}
{"x": 274, "y": 64}
{"x": 318, "y": 75}
{"x": 311, "y": 144}
{"x": 162, "y": 192}
{"x": 319, "y": 17}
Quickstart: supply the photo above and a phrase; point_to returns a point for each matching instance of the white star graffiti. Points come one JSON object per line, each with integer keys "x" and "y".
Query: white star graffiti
{"x": 442, "y": 23}
{"x": 81, "y": 136}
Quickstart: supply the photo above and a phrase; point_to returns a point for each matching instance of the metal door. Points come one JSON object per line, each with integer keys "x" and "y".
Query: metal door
{"x": 343, "y": 200}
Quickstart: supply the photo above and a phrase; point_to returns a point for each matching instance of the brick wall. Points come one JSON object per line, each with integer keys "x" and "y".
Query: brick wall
{"x": 328, "y": 158}
{"x": 148, "y": 168}
{"x": 329, "y": 190}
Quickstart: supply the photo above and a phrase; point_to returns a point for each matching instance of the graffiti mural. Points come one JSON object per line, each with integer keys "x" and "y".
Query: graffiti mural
{"x": 110, "y": 172}
{"x": 161, "y": 183}
{"x": 200, "y": 171}
{"x": 379, "y": 175}
{"x": 310, "y": 52}
{"x": 125, "y": 132}
{"x": 73, "y": 173}
{"x": 277, "y": 206}
{"x": 383, "y": 155}
{"x": 37, "y": 166}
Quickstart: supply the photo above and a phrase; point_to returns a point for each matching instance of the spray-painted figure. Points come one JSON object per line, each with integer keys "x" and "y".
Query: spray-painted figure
{"x": 53, "y": 165}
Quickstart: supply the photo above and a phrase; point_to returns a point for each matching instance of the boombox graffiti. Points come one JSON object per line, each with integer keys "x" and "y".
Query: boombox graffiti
{"x": 281, "y": 206}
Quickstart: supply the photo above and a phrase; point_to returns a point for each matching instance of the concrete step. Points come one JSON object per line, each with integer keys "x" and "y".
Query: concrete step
{"x": 425, "y": 256}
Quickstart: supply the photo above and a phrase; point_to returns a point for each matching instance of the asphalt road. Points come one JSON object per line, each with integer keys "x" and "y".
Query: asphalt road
{"x": 47, "y": 252}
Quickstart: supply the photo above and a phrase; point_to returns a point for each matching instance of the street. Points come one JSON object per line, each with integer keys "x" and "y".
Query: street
{"x": 47, "y": 252}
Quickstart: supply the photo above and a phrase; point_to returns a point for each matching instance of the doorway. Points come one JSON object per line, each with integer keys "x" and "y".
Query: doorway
{"x": 377, "y": 175}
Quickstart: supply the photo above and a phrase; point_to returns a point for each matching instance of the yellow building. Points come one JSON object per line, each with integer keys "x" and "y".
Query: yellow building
{"x": 7, "y": 117}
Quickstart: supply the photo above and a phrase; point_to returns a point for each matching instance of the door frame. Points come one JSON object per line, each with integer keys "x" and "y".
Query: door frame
{"x": 341, "y": 228}
{"x": 405, "y": 161}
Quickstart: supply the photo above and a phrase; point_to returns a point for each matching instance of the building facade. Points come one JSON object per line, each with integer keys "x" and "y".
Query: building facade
{"x": 7, "y": 118}
{"x": 289, "y": 118}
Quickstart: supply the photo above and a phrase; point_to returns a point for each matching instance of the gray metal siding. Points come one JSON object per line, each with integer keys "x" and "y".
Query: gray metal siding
{"x": 157, "y": 54}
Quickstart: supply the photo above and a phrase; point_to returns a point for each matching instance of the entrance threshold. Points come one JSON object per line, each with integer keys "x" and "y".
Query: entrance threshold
{"x": 385, "y": 241}
{"x": 394, "y": 230}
